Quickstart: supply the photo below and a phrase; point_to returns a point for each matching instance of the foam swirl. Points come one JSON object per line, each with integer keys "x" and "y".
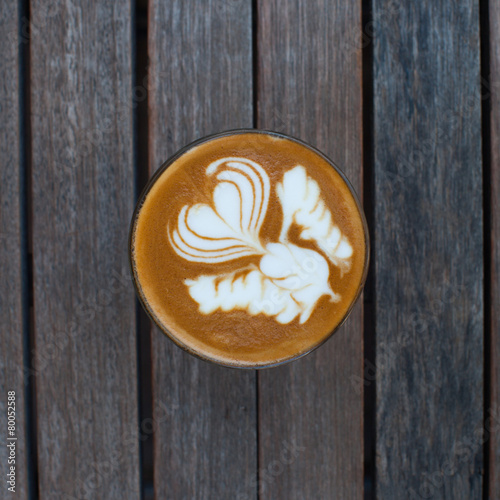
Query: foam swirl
{"x": 230, "y": 228}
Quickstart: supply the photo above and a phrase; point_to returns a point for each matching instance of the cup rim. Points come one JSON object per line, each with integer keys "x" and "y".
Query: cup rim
{"x": 138, "y": 289}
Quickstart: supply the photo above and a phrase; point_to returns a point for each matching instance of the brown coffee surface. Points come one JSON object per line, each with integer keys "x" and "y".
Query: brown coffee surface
{"x": 236, "y": 337}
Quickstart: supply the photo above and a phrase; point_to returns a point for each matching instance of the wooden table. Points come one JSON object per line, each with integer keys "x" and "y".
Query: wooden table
{"x": 404, "y": 401}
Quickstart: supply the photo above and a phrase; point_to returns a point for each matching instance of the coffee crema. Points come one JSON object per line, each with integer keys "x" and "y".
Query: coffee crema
{"x": 248, "y": 248}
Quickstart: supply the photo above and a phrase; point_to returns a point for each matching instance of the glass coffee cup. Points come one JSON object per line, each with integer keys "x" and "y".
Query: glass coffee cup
{"x": 248, "y": 248}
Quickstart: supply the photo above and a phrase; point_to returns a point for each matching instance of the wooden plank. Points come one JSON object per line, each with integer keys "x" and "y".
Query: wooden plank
{"x": 83, "y": 194}
{"x": 200, "y": 83}
{"x": 428, "y": 249}
{"x": 11, "y": 251}
{"x": 493, "y": 92}
{"x": 310, "y": 412}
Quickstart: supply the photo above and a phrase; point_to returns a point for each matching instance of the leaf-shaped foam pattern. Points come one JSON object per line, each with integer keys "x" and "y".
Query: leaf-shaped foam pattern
{"x": 300, "y": 198}
{"x": 228, "y": 229}
{"x": 288, "y": 283}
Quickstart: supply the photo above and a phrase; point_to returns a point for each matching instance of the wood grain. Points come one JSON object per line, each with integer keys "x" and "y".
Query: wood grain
{"x": 493, "y": 93}
{"x": 428, "y": 249}
{"x": 310, "y": 412}
{"x": 200, "y": 83}
{"x": 11, "y": 242}
{"x": 83, "y": 192}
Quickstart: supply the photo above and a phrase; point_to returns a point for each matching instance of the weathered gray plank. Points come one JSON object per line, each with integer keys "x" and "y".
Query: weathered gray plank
{"x": 83, "y": 181}
{"x": 11, "y": 255}
{"x": 493, "y": 92}
{"x": 311, "y": 421}
{"x": 428, "y": 249}
{"x": 200, "y": 83}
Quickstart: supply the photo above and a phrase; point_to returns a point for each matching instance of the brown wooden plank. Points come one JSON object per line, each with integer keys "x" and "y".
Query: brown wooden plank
{"x": 83, "y": 193}
{"x": 493, "y": 92}
{"x": 11, "y": 253}
{"x": 428, "y": 249}
{"x": 311, "y": 421}
{"x": 200, "y": 83}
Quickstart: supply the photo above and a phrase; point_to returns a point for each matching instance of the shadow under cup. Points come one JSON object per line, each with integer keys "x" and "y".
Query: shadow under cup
{"x": 248, "y": 248}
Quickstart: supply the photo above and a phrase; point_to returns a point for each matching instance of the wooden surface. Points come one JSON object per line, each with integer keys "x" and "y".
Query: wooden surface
{"x": 83, "y": 194}
{"x": 311, "y": 411}
{"x": 95, "y": 96}
{"x": 428, "y": 250}
{"x": 201, "y": 82}
{"x": 492, "y": 97}
{"x": 12, "y": 295}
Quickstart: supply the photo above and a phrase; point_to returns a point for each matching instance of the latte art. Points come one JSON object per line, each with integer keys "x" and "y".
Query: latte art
{"x": 290, "y": 279}
{"x": 248, "y": 248}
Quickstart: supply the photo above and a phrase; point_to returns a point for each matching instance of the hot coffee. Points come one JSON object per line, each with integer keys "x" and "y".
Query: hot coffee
{"x": 248, "y": 248}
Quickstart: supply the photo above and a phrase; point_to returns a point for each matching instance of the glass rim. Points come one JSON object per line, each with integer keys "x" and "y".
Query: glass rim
{"x": 149, "y": 310}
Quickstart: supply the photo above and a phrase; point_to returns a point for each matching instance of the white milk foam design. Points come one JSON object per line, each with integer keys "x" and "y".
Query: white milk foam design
{"x": 289, "y": 280}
